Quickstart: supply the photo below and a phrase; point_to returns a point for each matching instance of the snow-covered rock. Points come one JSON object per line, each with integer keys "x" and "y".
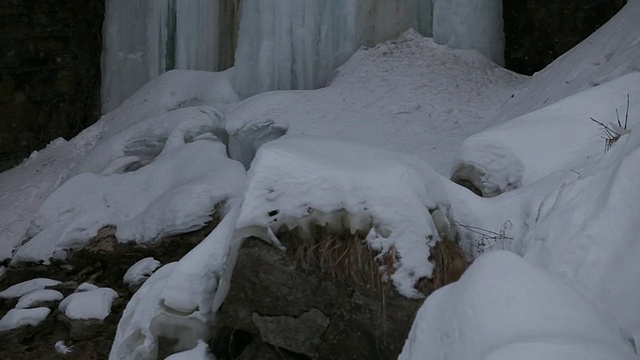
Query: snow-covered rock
{"x": 37, "y": 297}
{"x": 89, "y": 304}
{"x": 26, "y": 287}
{"x": 16, "y": 318}
{"x": 140, "y": 271}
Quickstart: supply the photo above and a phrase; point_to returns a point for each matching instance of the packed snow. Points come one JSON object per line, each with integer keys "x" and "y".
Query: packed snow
{"x": 16, "y": 318}
{"x": 38, "y": 297}
{"x": 88, "y": 303}
{"x": 368, "y": 152}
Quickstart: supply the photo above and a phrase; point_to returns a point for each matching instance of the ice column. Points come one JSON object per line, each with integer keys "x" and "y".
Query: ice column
{"x": 145, "y": 38}
{"x": 470, "y": 24}
{"x": 296, "y": 44}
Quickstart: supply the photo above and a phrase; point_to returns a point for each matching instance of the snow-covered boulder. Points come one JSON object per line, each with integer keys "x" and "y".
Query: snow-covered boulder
{"x": 16, "y": 318}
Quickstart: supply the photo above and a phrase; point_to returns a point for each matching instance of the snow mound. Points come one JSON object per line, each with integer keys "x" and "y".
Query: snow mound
{"x": 558, "y": 138}
{"x": 37, "y": 297}
{"x": 408, "y": 95}
{"x": 26, "y": 287}
{"x": 89, "y": 304}
{"x": 297, "y": 181}
{"x": 504, "y": 308}
{"x": 16, "y": 318}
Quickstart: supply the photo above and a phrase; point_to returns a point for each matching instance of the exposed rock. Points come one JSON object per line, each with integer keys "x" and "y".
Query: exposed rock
{"x": 305, "y": 313}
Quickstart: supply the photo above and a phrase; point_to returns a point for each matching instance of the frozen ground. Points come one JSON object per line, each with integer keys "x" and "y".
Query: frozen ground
{"x": 391, "y": 125}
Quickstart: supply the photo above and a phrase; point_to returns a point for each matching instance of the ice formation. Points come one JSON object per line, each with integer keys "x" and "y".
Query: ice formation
{"x": 16, "y": 318}
{"x": 143, "y": 39}
{"x": 470, "y": 24}
{"x": 503, "y": 308}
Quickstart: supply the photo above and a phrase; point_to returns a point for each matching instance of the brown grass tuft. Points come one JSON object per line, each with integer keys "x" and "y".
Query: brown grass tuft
{"x": 449, "y": 264}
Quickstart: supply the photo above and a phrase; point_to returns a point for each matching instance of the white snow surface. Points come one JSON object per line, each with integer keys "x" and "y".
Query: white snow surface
{"x": 89, "y": 304}
{"x": 140, "y": 271}
{"x": 16, "y": 318}
{"x": 26, "y": 287}
{"x": 504, "y": 308}
{"x": 37, "y": 297}
{"x": 137, "y": 168}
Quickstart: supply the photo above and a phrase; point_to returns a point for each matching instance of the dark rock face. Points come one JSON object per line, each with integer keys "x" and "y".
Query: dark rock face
{"x": 275, "y": 306}
{"x": 539, "y": 31}
{"x": 49, "y": 72}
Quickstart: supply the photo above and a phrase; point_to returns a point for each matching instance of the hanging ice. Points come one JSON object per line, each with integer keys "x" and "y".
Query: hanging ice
{"x": 296, "y": 44}
{"x": 470, "y": 24}
{"x": 143, "y": 39}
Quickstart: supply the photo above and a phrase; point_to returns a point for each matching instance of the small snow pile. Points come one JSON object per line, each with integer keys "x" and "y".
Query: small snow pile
{"x": 37, "y": 297}
{"x": 558, "y": 138}
{"x": 298, "y": 181}
{"x": 61, "y": 348}
{"x": 200, "y": 352}
{"x": 16, "y": 318}
{"x": 140, "y": 271}
{"x": 88, "y": 302}
{"x": 179, "y": 300}
{"x": 503, "y": 308}
{"x": 26, "y": 287}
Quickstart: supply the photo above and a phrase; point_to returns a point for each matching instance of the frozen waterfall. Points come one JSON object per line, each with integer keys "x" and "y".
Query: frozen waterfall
{"x": 282, "y": 44}
{"x": 145, "y": 38}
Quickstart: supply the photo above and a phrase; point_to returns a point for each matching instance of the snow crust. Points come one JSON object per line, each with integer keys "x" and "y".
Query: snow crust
{"x": 93, "y": 303}
{"x": 37, "y": 297}
{"x": 26, "y": 287}
{"x": 140, "y": 271}
{"x": 504, "y": 308}
{"x": 16, "y": 318}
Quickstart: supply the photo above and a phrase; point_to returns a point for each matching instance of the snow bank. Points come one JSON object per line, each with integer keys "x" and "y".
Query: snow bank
{"x": 89, "y": 304}
{"x": 16, "y": 318}
{"x": 26, "y": 287}
{"x": 558, "y": 138}
{"x": 296, "y": 181}
{"x": 504, "y": 308}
